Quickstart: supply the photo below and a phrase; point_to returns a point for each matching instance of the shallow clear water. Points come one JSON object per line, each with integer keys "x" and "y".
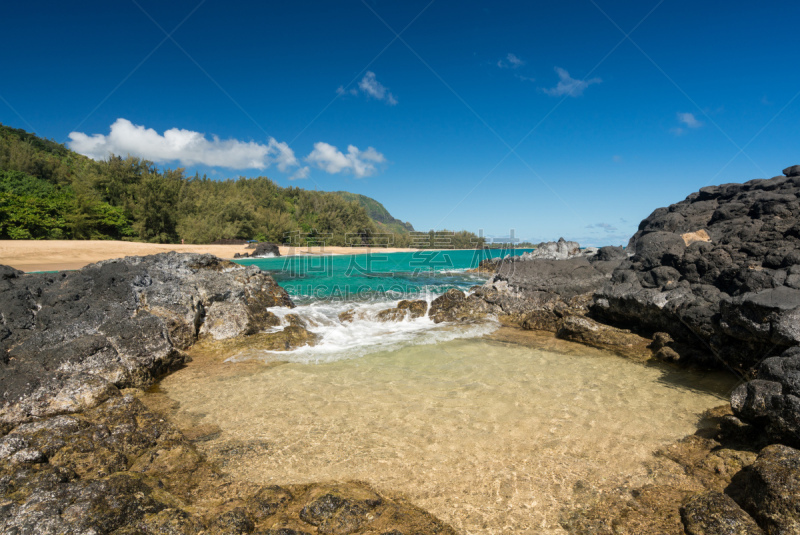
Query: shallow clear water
{"x": 491, "y": 437}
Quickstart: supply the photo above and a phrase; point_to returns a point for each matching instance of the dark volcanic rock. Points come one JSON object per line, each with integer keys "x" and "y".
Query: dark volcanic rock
{"x": 565, "y": 278}
{"x": 96, "y": 472}
{"x": 657, "y": 249}
{"x": 772, "y": 401}
{"x": 536, "y": 294}
{"x": 262, "y": 250}
{"x": 266, "y": 250}
{"x": 715, "y": 513}
{"x": 734, "y": 289}
{"x": 772, "y": 491}
{"x": 716, "y": 270}
{"x": 792, "y": 171}
{"x": 69, "y": 339}
{"x": 610, "y": 252}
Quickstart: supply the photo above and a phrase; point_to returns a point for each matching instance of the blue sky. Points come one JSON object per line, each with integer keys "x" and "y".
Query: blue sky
{"x": 573, "y": 119}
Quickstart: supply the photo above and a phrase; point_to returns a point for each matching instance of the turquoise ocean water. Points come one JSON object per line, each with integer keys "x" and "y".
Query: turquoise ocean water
{"x": 324, "y": 287}
{"x": 377, "y": 275}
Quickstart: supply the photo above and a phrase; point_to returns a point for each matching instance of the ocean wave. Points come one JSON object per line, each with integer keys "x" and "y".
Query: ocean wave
{"x": 363, "y": 335}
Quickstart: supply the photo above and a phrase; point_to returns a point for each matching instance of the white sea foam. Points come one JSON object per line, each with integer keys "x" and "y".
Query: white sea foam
{"x": 364, "y": 335}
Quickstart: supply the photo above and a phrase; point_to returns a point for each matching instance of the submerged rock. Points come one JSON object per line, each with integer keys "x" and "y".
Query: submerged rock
{"x": 347, "y": 316}
{"x": 77, "y": 455}
{"x": 591, "y": 333}
{"x": 291, "y": 337}
{"x": 119, "y": 468}
{"x": 715, "y": 513}
{"x": 772, "y": 489}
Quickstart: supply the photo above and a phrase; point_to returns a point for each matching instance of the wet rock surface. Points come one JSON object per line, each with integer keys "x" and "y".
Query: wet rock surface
{"x": 121, "y": 468}
{"x": 404, "y": 309}
{"x": 555, "y": 295}
{"x": 715, "y": 513}
{"x": 592, "y": 333}
{"x": 454, "y": 305}
{"x": 262, "y": 250}
{"x": 772, "y": 489}
{"x": 697, "y": 488}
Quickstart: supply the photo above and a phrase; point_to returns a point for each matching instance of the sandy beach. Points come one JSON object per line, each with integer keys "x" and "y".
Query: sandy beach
{"x": 53, "y": 255}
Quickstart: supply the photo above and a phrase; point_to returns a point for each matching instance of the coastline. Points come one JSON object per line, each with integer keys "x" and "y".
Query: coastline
{"x": 81, "y": 347}
{"x": 59, "y": 255}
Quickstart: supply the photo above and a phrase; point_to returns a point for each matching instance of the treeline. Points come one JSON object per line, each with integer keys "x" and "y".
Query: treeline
{"x": 50, "y": 192}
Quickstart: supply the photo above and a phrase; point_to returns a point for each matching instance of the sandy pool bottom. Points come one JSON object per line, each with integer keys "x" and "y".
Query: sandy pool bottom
{"x": 491, "y": 437}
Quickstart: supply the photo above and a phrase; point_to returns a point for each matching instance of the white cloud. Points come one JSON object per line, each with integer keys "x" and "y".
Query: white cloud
{"x": 301, "y": 173}
{"x": 511, "y": 61}
{"x": 184, "y": 146}
{"x": 569, "y": 86}
{"x": 607, "y": 227}
{"x": 370, "y": 86}
{"x": 341, "y": 91}
{"x": 332, "y": 160}
{"x": 689, "y": 120}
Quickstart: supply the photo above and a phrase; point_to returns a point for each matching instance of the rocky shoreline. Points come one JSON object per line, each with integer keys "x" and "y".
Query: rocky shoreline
{"x": 81, "y": 450}
{"x": 712, "y": 281}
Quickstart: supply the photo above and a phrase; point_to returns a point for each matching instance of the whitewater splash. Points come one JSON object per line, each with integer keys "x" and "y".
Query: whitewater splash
{"x": 365, "y": 334}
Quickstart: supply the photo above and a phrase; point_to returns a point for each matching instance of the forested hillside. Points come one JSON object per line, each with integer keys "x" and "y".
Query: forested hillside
{"x": 49, "y": 192}
{"x": 378, "y": 213}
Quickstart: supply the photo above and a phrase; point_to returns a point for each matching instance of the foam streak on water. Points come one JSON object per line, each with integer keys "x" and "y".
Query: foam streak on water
{"x": 363, "y": 335}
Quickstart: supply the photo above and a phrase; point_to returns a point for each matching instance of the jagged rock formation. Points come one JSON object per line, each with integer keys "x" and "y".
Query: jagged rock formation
{"x": 736, "y": 293}
{"x": 68, "y": 338}
{"x": 560, "y": 250}
{"x": 715, "y": 280}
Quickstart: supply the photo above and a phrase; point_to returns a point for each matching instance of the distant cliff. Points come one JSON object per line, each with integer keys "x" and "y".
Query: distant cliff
{"x": 377, "y": 212}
